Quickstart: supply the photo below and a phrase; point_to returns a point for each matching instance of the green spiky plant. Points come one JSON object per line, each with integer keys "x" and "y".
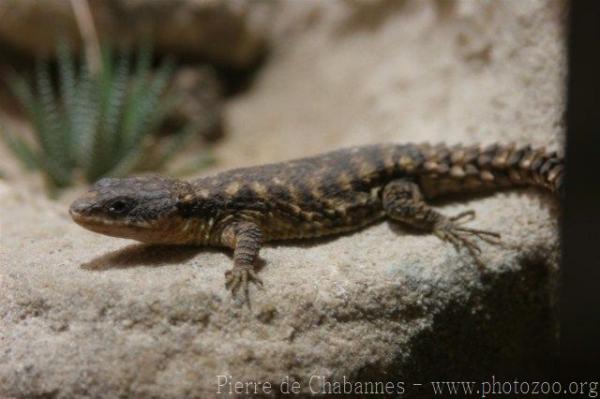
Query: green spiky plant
{"x": 95, "y": 124}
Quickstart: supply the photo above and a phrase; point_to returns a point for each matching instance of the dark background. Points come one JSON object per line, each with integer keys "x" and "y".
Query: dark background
{"x": 580, "y": 296}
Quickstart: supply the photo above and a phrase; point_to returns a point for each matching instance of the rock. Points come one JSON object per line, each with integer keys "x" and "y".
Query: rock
{"x": 226, "y": 32}
{"x": 198, "y": 94}
{"x": 91, "y": 316}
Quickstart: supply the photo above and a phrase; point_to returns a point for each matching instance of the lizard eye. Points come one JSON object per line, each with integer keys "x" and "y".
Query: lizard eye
{"x": 119, "y": 206}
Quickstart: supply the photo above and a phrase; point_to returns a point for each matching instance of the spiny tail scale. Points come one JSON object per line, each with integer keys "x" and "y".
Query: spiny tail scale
{"x": 458, "y": 169}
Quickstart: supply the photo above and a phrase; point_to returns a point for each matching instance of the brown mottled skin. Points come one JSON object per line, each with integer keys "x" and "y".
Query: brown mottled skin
{"x": 332, "y": 193}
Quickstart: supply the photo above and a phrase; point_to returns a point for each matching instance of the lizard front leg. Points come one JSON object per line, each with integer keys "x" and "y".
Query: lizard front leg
{"x": 245, "y": 238}
{"x": 403, "y": 201}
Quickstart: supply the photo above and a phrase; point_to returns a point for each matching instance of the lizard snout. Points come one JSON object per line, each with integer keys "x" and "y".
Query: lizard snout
{"x": 79, "y": 208}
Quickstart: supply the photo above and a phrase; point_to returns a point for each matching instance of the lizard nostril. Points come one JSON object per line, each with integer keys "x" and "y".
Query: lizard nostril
{"x": 77, "y": 208}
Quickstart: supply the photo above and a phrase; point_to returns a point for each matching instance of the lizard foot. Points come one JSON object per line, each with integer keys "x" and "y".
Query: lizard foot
{"x": 240, "y": 277}
{"x": 451, "y": 229}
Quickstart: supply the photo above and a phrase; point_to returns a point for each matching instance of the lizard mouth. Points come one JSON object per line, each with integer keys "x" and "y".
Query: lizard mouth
{"x": 122, "y": 230}
{"x": 118, "y": 228}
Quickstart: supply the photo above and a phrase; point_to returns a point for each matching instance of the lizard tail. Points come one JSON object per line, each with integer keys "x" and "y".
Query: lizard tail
{"x": 472, "y": 168}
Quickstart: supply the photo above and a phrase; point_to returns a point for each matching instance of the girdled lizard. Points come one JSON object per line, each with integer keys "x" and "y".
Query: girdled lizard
{"x": 332, "y": 193}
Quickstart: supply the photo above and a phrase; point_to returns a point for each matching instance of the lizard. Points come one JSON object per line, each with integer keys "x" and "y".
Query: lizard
{"x": 332, "y": 193}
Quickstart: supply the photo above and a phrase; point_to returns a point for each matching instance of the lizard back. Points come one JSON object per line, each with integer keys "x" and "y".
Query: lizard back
{"x": 309, "y": 197}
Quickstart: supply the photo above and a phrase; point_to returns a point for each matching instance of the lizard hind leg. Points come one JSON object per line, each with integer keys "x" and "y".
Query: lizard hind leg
{"x": 403, "y": 201}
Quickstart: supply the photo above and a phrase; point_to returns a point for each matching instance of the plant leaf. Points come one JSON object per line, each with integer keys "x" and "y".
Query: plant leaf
{"x": 22, "y": 150}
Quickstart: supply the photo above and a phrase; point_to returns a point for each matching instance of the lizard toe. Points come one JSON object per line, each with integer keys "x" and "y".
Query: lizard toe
{"x": 451, "y": 230}
{"x": 240, "y": 277}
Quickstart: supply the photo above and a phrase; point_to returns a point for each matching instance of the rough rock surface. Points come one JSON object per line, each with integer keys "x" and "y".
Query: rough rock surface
{"x": 227, "y": 32}
{"x": 87, "y": 315}
{"x": 199, "y": 98}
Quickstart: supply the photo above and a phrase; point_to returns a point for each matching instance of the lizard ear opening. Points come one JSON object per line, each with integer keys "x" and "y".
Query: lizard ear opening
{"x": 183, "y": 191}
{"x": 185, "y": 198}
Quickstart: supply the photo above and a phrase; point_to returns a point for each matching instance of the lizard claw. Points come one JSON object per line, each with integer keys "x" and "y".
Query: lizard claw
{"x": 240, "y": 277}
{"x": 463, "y": 217}
{"x": 451, "y": 230}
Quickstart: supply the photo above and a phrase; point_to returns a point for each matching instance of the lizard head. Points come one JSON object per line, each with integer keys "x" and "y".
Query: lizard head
{"x": 141, "y": 208}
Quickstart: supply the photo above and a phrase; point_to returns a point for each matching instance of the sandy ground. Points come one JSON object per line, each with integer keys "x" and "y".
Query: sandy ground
{"x": 87, "y": 315}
